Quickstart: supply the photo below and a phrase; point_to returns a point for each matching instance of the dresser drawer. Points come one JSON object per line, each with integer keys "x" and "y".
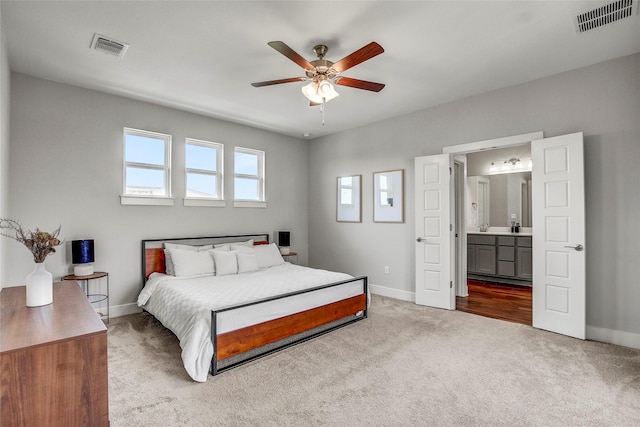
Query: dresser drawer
{"x": 506, "y": 241}
{"x": 506, "y": 268}
{"x": 506, "y": 253}
{"x": 476, "y": 239}
{"x": 525, "y": 242}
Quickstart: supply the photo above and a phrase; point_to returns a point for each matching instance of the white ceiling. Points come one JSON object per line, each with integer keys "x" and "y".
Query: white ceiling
{"x": 201, "y": 56}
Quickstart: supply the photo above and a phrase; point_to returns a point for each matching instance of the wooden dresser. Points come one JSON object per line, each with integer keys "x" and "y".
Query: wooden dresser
{"x": 53, "y": 360}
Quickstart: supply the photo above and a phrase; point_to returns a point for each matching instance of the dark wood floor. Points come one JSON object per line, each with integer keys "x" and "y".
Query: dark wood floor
{"x": 506, "y": 302}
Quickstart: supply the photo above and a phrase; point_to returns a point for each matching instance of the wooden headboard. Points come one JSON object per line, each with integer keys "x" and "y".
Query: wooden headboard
{"x": 153, "y": 249}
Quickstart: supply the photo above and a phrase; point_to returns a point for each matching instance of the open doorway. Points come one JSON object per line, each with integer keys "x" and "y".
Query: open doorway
{"x": 557, "y": 245}
{"x": 497, "y": 202}
{"x": 492, "y": 200}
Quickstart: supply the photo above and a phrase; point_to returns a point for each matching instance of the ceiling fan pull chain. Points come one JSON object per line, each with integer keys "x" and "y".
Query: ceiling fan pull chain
{"x": 322, "y": 109}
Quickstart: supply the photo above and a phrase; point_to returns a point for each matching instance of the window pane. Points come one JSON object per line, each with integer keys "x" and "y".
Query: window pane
{"x": 200, "y": 157}
{"x": 346, "y": 196}
{"x": 246, "y": 189}
{"x": 145, "y": 182}
{"x": 246, "y": 163}
{"x": 200, "y": 185}
{"x": 142, "y": 149}
{"x": 384, "y": 199}
{"x": 346, "y": 181}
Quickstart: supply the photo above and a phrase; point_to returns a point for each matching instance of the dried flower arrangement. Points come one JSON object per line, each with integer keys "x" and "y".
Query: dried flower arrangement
{"x": 40, "y": 243}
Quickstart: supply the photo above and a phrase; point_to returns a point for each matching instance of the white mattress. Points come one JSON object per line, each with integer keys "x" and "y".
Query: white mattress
{"x": 184, "y": 305}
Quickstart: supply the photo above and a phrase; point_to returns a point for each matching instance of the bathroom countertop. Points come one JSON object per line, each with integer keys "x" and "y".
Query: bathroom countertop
{"x": 502, "y": 233}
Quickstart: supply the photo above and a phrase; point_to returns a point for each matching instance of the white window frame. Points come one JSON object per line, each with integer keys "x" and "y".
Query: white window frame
{"x": 218, "y": 173}
{"x": 261, "y": 203}
{"x": 346, "y": 187}
{"x": 137, "y": 199}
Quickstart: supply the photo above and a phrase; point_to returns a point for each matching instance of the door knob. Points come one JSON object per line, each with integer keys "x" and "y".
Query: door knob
{"x": 576, "y": 247}
{"x": 420, "y": 239}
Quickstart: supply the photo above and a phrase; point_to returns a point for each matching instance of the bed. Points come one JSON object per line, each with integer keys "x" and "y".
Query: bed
{"x": 246, "y": 303}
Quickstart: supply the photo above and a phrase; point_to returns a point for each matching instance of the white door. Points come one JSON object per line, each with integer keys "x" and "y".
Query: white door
{"x": 559, "y": 235}
{"x": 434, "y": 237}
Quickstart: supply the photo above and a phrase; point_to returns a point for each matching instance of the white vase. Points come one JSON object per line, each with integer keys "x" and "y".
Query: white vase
{"x": 39, "y": 287}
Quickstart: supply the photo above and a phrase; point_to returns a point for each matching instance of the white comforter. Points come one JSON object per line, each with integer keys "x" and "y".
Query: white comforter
{"x": 184, "y": 305}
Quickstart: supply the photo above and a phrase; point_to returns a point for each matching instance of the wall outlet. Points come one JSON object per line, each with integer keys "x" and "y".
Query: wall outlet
{"x": 386, "y": 269}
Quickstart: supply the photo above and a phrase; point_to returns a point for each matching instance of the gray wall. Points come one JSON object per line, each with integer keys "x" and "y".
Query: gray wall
{"x": 66, "y": 168}
{"x": 602, "y": 100}
{"x": 5, "y": 82}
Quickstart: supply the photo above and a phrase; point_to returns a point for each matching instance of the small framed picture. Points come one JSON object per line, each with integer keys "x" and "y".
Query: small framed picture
{"x": 388, "y": 196}
{"x": 349, "y": 199}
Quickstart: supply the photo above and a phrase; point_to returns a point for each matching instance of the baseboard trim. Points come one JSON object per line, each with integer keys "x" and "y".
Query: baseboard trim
{"x": 124, "y": 309}
{"x": 393, "y": 293}
{"x": 612, "y": 336}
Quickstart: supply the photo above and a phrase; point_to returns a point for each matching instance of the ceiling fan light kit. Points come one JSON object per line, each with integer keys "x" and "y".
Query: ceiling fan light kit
{"x": 324, "y": 74}
{"x": 319, "y": 93}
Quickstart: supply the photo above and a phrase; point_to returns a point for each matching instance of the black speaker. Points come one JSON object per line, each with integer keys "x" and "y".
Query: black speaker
{"x": 284, "y": 238}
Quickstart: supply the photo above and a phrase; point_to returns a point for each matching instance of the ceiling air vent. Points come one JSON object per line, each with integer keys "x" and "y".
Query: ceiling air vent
{"x": 108, "y": 45}
{"x": 604, "y": 15}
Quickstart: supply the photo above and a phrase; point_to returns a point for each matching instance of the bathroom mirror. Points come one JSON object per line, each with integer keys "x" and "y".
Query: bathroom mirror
{"x": 495, "y": 199}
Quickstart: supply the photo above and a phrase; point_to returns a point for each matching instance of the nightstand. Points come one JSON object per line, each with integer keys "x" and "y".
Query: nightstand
{"x": 291, "y": 257}
{"x": 95, "y": 290}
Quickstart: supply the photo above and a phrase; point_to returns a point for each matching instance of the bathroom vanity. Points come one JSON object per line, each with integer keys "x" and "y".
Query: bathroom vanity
{"x": 501, "y": 257}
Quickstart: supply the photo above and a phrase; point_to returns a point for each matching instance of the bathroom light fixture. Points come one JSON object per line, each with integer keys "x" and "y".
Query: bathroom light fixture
{"x": 513, "y": 164}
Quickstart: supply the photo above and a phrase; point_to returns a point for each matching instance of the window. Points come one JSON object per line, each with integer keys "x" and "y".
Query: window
{"x": 248, "y": 182}
{"x": 349, "y": 199}
{"x": 203, "y": 171}
{"x": 346, "y": 191}
{"x": 147, "y": 172}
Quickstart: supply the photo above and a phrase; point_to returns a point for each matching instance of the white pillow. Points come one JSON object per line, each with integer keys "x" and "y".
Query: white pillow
{"x": 168, "y": 262}
{"x": 191, "y": 263}
{"x": 226, "y": 262}
{"x": 268, "y": 255}
{"x": 231, "y": 245}
{"x": 247, "y": 262}
{"x": 241, "y": 248}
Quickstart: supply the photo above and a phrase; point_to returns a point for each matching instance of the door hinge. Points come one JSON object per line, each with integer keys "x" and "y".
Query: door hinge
{"x": 450, "y": 227}
{"x": 451, "y": 284}
{"x": 450, "y": 171}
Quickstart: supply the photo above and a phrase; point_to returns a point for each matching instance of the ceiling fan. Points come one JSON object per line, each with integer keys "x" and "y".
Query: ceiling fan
{"x": 322, "y": 72}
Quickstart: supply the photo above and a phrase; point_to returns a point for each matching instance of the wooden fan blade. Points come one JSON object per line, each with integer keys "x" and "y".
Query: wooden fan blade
{"x": 360, "y": 55}
{"x": 277, "y": 82}
{"x": 291, "y": 54}
{"x": 314, "y": 104}
{"x": 359, "y": 84}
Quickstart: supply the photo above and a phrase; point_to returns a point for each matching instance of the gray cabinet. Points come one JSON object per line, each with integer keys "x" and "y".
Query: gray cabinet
{"x": 506, "y": 256}
{"x": 481, "y": 254}
{"x": 524, "y": 268}
{"x": 503, "y": 257}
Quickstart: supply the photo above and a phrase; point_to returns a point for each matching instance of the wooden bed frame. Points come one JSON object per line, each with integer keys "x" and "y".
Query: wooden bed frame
{"x": 243, "y": 345}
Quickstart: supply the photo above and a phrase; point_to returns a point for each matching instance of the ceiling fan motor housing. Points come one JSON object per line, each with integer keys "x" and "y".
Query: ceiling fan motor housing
{"x": 321, "y": 67}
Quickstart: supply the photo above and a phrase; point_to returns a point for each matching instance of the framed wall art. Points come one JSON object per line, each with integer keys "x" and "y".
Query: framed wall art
{"x": 349, "y": 199}
{"x": 388, "y": 196}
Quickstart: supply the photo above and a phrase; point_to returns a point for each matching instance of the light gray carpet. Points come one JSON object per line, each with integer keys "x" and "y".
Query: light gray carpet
{"x": 404, "y": 365}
